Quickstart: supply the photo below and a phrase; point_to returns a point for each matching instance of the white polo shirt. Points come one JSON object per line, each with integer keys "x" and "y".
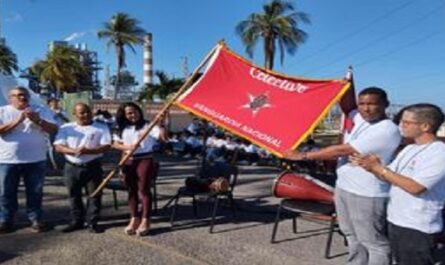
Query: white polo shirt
{"x": 425, "y": 164}
{"x": 130, "y": 136}
{"x": 74, "y": 136}
{"x": 27, "y": 142}
{"x": 380, "y": 138}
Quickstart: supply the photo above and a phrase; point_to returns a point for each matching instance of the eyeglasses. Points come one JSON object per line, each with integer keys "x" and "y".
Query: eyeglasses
{"x": 409, "y": 122}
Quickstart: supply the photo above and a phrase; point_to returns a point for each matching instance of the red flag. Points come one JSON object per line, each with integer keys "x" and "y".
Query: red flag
{"x": 274, "y": 111}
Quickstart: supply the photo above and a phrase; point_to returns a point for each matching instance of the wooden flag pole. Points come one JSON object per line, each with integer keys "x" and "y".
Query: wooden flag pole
{"x": 167, "y": 105}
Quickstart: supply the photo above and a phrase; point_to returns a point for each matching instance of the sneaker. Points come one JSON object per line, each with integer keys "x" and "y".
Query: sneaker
{"x": 73, "y": 226}
{"x": 6, "y": 227}
{"x": 38, "y": 227}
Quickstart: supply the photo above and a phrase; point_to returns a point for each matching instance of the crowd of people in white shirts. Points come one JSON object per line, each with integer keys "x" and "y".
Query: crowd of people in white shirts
{"x": 200, "y": 136}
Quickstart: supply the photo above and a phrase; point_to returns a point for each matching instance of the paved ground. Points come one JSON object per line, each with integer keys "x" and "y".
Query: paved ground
{"x": 245, "y": 240}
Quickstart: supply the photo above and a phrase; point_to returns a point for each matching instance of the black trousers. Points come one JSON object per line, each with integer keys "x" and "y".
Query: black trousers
{"x": 77, "y": 178}
{"x": 412, "y": 247}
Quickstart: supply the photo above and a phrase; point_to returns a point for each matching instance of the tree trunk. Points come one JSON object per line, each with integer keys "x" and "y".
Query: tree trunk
{"x": 269, "y": 51}
{"x": 120, "y": 63}
{"x": 117, "y": 81}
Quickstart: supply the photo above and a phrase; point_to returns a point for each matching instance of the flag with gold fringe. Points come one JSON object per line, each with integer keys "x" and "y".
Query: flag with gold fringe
{"x": 273, "y": 111}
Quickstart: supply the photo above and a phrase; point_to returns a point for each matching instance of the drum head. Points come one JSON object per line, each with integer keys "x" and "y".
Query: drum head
{"x": 298, "y": 186}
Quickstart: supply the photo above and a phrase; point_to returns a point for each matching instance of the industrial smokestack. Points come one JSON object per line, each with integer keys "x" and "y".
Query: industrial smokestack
{"x": 148, "y": 59}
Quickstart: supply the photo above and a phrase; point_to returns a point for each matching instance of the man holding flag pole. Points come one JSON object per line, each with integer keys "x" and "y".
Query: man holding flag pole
{"x": 259, "y": 105}
{"x": 360, "y": 198}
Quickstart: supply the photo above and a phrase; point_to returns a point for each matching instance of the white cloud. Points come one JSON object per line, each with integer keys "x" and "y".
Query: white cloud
{"x": 74, "y": 36}
{"x": 14, "y": 18}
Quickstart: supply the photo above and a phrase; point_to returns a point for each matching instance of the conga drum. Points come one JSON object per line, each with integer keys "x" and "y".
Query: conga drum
{"x": 297, "y": 186}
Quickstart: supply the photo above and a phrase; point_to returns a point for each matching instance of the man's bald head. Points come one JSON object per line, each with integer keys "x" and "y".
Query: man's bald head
{"x": 83, "y": 113}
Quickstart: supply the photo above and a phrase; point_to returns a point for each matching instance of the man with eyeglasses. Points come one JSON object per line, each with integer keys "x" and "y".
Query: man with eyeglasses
{"x": 360, "y": 198}
{"x": 417, "y": 178}
{"x": 23, "y": 146}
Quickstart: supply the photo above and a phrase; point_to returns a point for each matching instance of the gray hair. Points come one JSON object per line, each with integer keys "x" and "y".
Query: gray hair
{"x": 20, "y": 88}
{"x": 427, "y": 113}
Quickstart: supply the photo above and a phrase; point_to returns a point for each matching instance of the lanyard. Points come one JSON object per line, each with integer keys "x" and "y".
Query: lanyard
{"x": 360, "y": 130}
{"x": 399, "y": 169}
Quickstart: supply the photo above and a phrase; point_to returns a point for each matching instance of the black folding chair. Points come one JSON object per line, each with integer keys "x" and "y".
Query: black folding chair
{"x": 186, "y": 192}
{"x": 310, "y": 208}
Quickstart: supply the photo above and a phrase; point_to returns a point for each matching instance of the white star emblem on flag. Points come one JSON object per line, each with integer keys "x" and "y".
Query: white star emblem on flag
{"x": 256, "y": 103}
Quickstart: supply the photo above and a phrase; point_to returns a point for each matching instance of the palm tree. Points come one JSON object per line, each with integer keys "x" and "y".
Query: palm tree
{"x": 8, "y": 60}
{"x": 165, "y": 87}
{"x": 61, "y": 69}
{"x": 121, "y": 31}
{"x": 276, "y": 27}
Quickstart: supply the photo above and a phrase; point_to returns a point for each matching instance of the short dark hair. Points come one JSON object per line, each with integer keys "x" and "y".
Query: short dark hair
{"x": 427, "y": 113}
{"x": 51, "y": 100}
{"x": 373, "y": 90}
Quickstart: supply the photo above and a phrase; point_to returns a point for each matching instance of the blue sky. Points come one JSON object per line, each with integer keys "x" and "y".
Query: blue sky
{"x": 395, "y": 44}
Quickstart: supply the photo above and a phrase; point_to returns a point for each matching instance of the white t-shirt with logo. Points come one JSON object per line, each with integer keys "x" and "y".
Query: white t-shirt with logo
{"x": 130, "y": 136}
{"x": 425, "y": 164}
{"x": 75, "y": 136}
{"x": 27, "y": 142}
{"x": 380, "y": 138}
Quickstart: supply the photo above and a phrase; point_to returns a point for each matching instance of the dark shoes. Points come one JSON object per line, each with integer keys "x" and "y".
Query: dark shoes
{"x": 6, "y": 227}
{"x": 95, "y": 229}
{"x": 73, "y": 226}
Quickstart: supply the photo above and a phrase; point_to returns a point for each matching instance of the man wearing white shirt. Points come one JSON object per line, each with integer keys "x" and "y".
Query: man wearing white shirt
{"x": 59, "y": 115}
{"x": 251, "y": 152}
{"x": 23, "y": 147}
{"x": 360, "y": 198}
{"x": 194, "y": 126}
{"x": 83, "y": 143}
{"x": 417, "y": 178}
